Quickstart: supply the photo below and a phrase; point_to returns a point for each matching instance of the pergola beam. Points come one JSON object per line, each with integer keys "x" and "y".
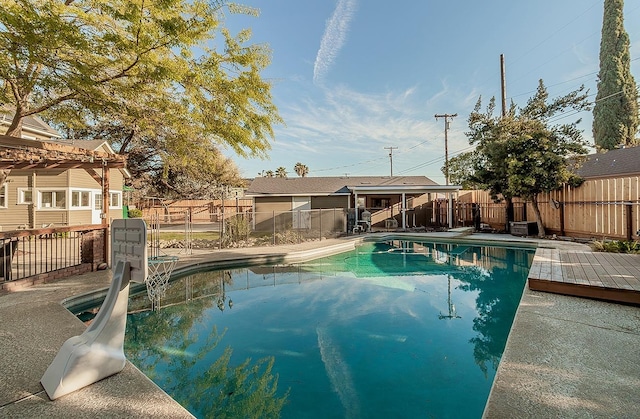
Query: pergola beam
{"x": 20, "y": 153}
{"x": 60, "y": 164}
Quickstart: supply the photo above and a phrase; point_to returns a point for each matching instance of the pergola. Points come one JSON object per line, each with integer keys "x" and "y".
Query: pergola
{"x": 23, "y": 154}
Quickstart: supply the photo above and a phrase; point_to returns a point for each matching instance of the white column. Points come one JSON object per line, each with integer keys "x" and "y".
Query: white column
{"x": 404, "y": 209}
{"x": 356, "y": 207}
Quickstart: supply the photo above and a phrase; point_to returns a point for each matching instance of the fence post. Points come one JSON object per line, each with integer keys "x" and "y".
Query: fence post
{"x": 629, "y": 210}
{"x": 562, "y": 218}
{"x": 274, "y": 228}
{"x": 219, "y": 232}
{"x": 475, "y": 215}
{"x": 320, "y": 224}
{"x": 299, "y": 225}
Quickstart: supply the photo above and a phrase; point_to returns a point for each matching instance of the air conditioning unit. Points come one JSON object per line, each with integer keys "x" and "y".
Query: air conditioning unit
{"x": 524, "y": 228}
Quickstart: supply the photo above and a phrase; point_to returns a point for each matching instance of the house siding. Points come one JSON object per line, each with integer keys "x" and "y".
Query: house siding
{"x": 30, "y": 216}
{"x": 82, "y": 179}
{"x": 318, "y": 202}
{"x": 56, "y": 217}
{"x": 79, "y": 217}
{"x": 270, "y": 204}
{"x": 116, "y": 180}
{"x": 266, "y": 207}
{"x": 15, "y": 215}
{"x": 50, "y": 179}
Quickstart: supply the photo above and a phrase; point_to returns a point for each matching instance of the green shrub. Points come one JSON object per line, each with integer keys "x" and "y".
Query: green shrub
{"x": 237, "y": 229}
{"x": 135, "y": 213}
{"x": 616, "y": 246}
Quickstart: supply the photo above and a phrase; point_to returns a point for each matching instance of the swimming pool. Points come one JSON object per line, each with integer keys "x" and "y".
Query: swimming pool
{"x": 390, "y": 329}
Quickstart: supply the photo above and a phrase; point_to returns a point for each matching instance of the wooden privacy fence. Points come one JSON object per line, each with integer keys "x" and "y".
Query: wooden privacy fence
{"x": 493, "y": 214}
{"x": 599, "y": 208}
{"x": 201, "y": 210}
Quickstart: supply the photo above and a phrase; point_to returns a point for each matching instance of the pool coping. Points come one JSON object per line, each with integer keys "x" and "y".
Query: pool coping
{"x": 538, "y": 355}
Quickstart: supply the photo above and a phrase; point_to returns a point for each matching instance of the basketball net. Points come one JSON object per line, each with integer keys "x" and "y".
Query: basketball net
{"x": 160, "y": 268}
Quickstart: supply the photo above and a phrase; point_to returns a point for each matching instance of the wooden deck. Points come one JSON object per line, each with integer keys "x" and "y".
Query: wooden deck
{"x": 603, "y": 276}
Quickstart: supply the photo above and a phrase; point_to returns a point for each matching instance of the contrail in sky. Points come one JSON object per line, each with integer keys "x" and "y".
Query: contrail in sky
{"x": 333, "y": 37}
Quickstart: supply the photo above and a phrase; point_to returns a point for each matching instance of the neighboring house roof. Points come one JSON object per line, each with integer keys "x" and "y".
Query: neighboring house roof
{"x": 613, "y": 163}
{"x": 91, "y": 145}
{"x": 324, "y": 186}
{"x": 30, "y": 124}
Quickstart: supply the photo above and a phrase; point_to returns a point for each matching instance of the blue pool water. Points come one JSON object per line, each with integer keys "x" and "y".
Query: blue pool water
{"x": 401, "y": 329}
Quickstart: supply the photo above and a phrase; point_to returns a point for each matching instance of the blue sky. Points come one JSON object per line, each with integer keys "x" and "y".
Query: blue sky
{"x": 351, "y": 77}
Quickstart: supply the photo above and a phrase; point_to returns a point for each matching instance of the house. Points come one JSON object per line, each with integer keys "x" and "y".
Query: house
{"x": 33, "y": 127}
{"x": 53, "y": 183}
{"x": 619, "y": 162}
{"x": 383, "y": 197}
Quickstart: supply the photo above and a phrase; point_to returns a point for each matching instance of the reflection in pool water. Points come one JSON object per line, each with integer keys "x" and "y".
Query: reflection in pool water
{"x": 391, "y": 329}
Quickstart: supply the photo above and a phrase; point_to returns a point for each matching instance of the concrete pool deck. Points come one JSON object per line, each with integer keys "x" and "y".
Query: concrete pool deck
{"x": 565, "y": 356}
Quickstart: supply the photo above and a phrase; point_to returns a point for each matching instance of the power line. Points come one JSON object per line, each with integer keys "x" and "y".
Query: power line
{"x": 435, "y": 160}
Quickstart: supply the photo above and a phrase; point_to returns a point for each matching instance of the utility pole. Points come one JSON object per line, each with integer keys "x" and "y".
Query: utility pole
{"x": 503, "y": 85}
{"x": 391, "y": 157}
{"x": 446, "y": 117}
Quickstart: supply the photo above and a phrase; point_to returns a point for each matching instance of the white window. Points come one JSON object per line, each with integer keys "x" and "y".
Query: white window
{"x": 3, "y": 196}
{"x": 25, "y": 196}
{"x": 80, "y": 199}
{"x": 97, "y": 202}
{"x": 53, "y": 199}
{"x": 114, "y": 199}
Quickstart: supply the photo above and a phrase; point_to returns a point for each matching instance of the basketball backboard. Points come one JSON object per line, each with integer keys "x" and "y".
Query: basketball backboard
{"x": 129, "y": 243}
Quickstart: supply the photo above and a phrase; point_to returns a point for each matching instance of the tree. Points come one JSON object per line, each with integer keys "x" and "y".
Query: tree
{"x": 281, "y": 172}
{"x": 301, "y": 169}
{"x": 461, "y": 171}
{"x": 486, "y": 166}
{"x": 204, "y": 180}
{"x": 522, "y": 154}
{"x": 142, "y": 75}
{"x": 269, "y": 173}
{"x": 615, "y": 114}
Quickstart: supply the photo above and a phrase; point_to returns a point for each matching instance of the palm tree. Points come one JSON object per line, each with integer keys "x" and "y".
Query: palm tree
{"x": 269, "y": 173}
{"x": 281, "y": 172}
{"x": 301, "y": 169}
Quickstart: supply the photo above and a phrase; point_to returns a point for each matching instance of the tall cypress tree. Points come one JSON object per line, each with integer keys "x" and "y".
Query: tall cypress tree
{"x": 615, "y": 114}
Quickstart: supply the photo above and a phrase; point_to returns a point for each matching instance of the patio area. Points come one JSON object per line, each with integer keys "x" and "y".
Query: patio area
{"x": 604, "y": 276}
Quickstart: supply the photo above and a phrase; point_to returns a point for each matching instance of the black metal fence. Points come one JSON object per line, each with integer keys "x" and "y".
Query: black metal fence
{"x": 297, "y": 226}
{"x": 50, "y": 252}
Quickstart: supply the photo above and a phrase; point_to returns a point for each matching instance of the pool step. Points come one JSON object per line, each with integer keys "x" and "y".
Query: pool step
{"x": 458, "y": 250}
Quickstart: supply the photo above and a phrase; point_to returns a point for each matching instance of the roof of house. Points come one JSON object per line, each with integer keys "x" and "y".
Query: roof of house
{"x": 334, "y": 185}
{"x": 613, "y": 163}
{"x": 31, "y": 123}
{"x": 91, "y": 144}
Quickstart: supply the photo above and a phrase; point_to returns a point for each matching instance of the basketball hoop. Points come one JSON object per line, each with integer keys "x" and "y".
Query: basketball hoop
{"x": 160, "y": 269}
